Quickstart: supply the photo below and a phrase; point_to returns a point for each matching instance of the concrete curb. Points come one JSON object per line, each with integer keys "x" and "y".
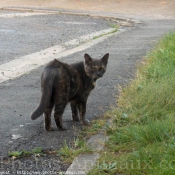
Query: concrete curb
{"x": 127, "y": 22}
{"x": 83, "y": 163}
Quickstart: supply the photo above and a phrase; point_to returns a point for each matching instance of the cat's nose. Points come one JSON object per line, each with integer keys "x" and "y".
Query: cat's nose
{"x": 99, "y": 74}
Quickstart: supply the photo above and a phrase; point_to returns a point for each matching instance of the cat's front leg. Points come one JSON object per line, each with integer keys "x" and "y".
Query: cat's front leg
{"x": 82, "y": 111}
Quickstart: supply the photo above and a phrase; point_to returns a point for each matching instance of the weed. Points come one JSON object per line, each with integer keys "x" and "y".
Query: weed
{"x": 17, "y": 154}
{"x": 112, "y": 25}
{"x": 96, "y": 127}
{"x": 70, "y": 150}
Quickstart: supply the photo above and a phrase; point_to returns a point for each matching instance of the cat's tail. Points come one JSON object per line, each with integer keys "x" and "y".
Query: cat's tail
{"x": 47, "y": 85}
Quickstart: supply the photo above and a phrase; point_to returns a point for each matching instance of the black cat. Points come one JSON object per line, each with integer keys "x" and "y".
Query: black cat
{"x": 62, "y": 83}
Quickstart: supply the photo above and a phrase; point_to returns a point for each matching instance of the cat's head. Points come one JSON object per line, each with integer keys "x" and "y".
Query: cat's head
{"x": 95, "y": 68}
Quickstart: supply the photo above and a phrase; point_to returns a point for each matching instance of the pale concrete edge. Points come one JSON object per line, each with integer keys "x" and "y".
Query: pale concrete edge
{"x": 72, "y": 12}
{"x": 85, "y": 162}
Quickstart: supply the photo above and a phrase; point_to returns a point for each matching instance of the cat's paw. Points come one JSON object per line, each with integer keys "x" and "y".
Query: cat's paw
{"x": 75, "y": 118}
{"x": 49, "y": 128}
{"x": 85, "y": 122}
{"x": 63, "y": 127}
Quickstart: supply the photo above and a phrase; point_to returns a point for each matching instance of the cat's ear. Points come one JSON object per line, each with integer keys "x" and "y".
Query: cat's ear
{"x": 87, "y": 58}
{"x": 105, "y": 58}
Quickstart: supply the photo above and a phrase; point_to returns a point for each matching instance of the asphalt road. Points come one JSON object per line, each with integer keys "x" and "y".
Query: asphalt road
{"x": 20, "y": 96}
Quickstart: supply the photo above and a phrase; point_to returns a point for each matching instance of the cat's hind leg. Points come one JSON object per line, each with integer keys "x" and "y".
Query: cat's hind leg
{"x": 60, "y": 104}
{"x": 47, "y": 115}
{"x": 74, "y": 109}
{"x": 59, "y": 109}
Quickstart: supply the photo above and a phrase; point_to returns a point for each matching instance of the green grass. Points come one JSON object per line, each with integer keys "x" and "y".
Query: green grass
{"x": 142, "y": 139}
{"x": 70, "y": 150}
{"x": 18, "y": 154}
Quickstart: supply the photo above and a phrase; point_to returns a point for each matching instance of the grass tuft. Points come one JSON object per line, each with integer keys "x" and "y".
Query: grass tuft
{"x": 70, "y": 150}
{"x": 17, "y": 154}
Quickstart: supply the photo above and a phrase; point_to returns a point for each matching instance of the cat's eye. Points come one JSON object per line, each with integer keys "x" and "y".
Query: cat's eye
{"x": 95, "y": 67}
{"x": 101, "y": 69}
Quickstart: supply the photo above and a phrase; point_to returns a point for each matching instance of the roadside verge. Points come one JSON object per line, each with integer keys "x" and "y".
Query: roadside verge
{"x": 141, "y": 139}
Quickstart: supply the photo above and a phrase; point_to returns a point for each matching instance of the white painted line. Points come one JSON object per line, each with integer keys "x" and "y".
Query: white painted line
{"x": 83, "y": 46}
{"x": 25, "y": 64}
{"x": 16, "y": 15}
{"x": 85, "y": 38}
{"x": 34, "y": 58}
